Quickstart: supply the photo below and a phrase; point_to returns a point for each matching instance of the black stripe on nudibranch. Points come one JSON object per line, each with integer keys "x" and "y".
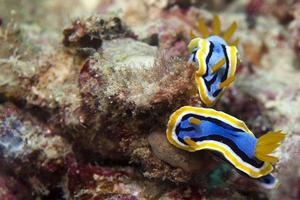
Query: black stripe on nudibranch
{"x": 213, "y": 120}
{"x": 232, "y": 146}
{"x": 224, "y": 77}
{"x": 187, "y": 129}
{"x": 211, "y": 49}
{"x": 216, "y": 93}
{"x": 194, "y": 55}
{"x": 210, "y": 82}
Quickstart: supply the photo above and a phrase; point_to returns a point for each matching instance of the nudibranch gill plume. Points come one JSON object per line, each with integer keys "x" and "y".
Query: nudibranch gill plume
{"x": 193, "y": 129}
{"x": 216, "y": 58}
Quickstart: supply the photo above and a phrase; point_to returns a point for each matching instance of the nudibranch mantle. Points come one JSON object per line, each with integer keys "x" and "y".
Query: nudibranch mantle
{"x": 216, "y": 57}
{"x": 216, "y": 66}
{"x": 193, "y": 129}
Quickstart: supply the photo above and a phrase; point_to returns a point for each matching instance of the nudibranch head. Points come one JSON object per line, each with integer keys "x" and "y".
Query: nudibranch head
{"x": 193, "y": 129}
{"x": 216, "y": 58}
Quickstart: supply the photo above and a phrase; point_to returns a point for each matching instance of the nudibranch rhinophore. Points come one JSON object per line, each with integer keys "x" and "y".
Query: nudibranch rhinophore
{"x": 216, "y": 58}
{"x": 193, "y": 129}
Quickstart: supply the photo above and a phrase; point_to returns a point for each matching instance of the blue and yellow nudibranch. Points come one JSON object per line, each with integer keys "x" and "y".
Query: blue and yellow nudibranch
{"x": 216, "y": 57}
{"x": 193, "y": 129}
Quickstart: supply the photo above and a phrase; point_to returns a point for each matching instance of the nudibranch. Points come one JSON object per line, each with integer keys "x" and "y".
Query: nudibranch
{"x": 193, "y": 129}
{"x": 216, "y": 58}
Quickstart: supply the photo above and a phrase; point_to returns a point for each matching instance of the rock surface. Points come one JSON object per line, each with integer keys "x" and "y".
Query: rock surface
{"x": 84, "y": 108}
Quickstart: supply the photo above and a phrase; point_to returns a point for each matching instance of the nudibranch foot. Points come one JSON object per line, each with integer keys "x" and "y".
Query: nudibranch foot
{"x": 193, "y": 129}
{"x": 269, "y": 182}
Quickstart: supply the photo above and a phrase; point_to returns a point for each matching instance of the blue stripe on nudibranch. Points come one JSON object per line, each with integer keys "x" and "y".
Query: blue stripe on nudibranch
{"x": 193, "y": 129}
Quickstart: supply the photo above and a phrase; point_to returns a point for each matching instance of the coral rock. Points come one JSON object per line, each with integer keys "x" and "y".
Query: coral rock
{"x": 116, "y": 88}
{"x": 91, "y": 32}
{"x": 141, "y": 82}
{"x": 28, "y": 147}
{"x": 96, "y": 182}
{"x": 12, "y": 189}
{"x": 18, "y": 71}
